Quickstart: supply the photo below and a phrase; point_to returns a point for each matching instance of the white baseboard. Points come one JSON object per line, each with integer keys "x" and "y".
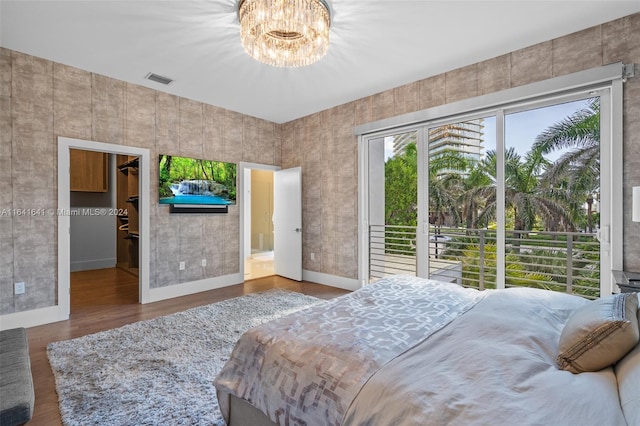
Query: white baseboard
{"x": 32, "y": 318}
{"x": 331, "y": 280}
{"x": 87, "y": 265}
{"x": 191, "y": 287}
{"x": 51, "y": 314}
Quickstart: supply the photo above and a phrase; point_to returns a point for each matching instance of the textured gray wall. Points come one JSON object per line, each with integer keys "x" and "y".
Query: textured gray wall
{"x": 40, "y": 100}
{"x": 324, "y": 144}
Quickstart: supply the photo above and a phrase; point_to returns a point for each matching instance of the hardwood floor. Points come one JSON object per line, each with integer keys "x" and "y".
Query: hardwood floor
{"x": 113, "y": 286}
{"x": 97, "y": 307}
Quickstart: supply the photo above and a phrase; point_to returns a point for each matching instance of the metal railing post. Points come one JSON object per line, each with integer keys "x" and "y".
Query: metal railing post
{"x": 481, "y": 261}
{"x": 570, "y": 263}
{"x": 370, "y": 251}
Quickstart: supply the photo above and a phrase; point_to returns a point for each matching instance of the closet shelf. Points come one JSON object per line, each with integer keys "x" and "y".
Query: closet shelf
{"x": 130, "y": 166}
{"x": 128, "y": 199}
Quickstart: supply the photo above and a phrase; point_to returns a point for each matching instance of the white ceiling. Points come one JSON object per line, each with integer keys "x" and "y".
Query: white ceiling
{"x": 375, "y": 45}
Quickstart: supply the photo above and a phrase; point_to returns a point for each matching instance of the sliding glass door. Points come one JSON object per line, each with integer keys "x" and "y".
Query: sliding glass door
{"x": 552, "y": 197}
{"x": 509, "y": 197}
{"x": 461, "y": 203}
{"x": 393, "y": 206}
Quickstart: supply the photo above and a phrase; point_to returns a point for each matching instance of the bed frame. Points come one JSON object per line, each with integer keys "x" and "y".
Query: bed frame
{"x": 241, "y": 413}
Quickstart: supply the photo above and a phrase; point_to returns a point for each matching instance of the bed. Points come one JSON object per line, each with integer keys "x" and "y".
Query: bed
{"x": 409, "y": 351}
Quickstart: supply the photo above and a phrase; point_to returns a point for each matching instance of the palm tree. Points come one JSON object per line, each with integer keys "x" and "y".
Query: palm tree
{"x": 524, "y": 196}
{"x": 446, "y": 175}
{"x": 470, "y": 199}
{"x": 576, "y": 172}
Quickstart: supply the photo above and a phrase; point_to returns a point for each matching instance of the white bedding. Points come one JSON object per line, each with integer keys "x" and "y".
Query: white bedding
{"x": 306, "y": 368}
{"x": 466, "y": 358}
{"x": 494, "y": 365}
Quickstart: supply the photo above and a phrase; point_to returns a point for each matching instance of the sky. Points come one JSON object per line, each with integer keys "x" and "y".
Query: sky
{"x": 521, "y": 128}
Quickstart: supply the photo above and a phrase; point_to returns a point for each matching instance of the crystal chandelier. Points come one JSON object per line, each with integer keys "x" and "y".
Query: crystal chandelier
{"x": 285, "y": 33}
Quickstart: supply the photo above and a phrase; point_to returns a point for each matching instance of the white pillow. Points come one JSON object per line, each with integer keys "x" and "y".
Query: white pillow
{"x": 599, "y": 333}
{"x": 628, "y": 376}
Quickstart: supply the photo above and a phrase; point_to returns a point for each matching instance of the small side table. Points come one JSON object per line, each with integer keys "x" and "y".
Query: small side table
{"x": 629, "y": 282}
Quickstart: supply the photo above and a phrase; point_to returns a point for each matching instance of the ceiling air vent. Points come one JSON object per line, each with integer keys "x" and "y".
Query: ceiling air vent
{"x": 158, "y": 78}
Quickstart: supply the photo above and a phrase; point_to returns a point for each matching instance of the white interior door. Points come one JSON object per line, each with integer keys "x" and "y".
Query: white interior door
{"x": 287, "y": 223}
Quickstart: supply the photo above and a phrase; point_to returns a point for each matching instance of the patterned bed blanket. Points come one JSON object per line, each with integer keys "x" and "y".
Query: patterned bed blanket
{"x": 308, "y": 367}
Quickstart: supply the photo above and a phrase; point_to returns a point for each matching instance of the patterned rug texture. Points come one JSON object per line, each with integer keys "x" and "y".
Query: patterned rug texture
{"x": 159, "y": 371}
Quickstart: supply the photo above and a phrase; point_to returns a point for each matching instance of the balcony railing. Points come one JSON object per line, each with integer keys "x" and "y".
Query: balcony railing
{"x": 560, "y": 261}
{"x": 392, "y": 250}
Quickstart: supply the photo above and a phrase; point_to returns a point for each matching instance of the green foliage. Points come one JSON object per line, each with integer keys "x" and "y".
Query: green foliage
{"x": 175, "y": 169}
{"x": 539, "y": 194}
{"x": 516, "y": 273}
{"x": 474, "y": 271}
{"x": 401, "y": 185}
{"x": 401, "y": 188}
{"x": 540, "y": 265}
{"x": 165, "y": 176}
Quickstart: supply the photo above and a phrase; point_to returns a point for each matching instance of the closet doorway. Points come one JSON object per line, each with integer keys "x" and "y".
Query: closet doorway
{"x": 135, "y": 210}
{"x": 104, "y": 229}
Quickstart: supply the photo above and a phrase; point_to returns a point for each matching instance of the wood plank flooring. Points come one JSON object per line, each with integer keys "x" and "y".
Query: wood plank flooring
{"x": 105, "y": 299}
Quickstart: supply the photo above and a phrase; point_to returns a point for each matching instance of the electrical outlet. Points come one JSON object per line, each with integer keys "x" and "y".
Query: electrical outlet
{"x": 204, "y": 262}
{"x": 313, "y": 256}
{"x": 19, "y": 288}
{"x": 182, "y": 266}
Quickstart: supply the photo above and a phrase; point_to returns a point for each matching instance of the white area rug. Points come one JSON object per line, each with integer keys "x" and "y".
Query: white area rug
{"x": 160, "y": 371}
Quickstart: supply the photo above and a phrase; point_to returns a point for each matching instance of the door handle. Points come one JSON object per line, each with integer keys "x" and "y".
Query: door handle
{"x": 297, "y": 230}
{"x": 603, "y": 234}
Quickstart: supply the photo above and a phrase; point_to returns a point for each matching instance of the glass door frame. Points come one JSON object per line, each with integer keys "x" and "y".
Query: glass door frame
{"x": 423, "y": 186}
{"x": 363, "y": 195}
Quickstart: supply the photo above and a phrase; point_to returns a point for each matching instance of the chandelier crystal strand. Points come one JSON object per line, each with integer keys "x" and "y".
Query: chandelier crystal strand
{"x": 285, "y": 33}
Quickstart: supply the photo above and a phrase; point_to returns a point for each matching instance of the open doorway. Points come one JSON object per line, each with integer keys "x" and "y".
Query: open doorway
{"x": 104, "y": 229}
{"x": 284, "y": 219}
{"x": 258, "y": 223}
{"x": 139, "y": 200}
